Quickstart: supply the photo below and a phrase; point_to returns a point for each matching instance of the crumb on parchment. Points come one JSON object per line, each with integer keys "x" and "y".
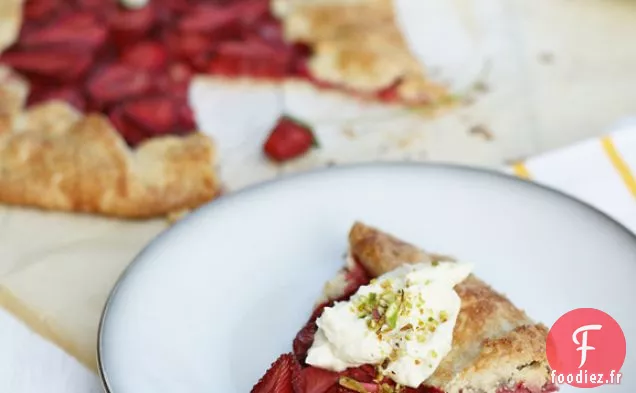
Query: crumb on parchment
{"x": 482, "y": 131}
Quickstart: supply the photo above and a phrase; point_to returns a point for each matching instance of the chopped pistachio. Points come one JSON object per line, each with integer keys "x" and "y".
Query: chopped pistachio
{"x": 352, "y": 384}
{"x": 392, "y": 315}
{"x": 386, "y": 388}
{"x": 385, "y": 363}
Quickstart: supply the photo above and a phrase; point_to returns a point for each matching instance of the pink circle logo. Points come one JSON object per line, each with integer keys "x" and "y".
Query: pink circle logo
{"x": 586, "y": 348}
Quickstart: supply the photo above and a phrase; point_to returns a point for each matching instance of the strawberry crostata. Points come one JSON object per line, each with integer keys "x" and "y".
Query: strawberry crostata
{"x": 134, "y": 61}
{"x": 400, "y": 320}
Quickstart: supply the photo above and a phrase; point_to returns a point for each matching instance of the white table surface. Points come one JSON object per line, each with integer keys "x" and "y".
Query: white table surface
{"x": 28, "y": 364}
{"x": 585, "y": 87}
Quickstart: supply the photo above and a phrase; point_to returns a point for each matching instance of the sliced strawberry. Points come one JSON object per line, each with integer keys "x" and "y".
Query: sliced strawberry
{"x": 365, "y": 373}
{"x": 175, "y": 81}
{"x": 180, "y": 73}
{"x": 40, "y": 9}
{"x": 298, "y": 380}
{"x": 147, "y": 55}
{"x": 200, "y": 62}
{"x": 132, "y": 134}
{"x": 209, "y": 18}
{"x": 248, "y": 49}
{"x": 356, "y": 277}
{"x": 317, "y": 380}
{"x": 187, "y": 45}
{"x": 250, "y": 11}
{"x": 61, "y": 65}
{"x": 118, "y": 82}
{"x": 389, "y": 94}
{"x": 299, "y": 55}
{"x": 96, "y": 5}
{"x": 130, "y": 25}
{"x": 68, "y": 94}
{"x": 178, "y": 6}
{"x": 278, "y": 379}
{"x": 289, "y": 139}
{"x": 156, "y": 115}
{"x": 80, "y": 30}
{"x": 421, "y": 389}
{"x": 186, "y": 118}
{"x": 254, "y": 58}
{"x": 271, "y": 31}
{"x": 304, "y": 340}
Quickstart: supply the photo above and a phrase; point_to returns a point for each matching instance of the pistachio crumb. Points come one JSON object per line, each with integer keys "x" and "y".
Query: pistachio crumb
{"x": 386, "y": 388}
{"x": 352, "y": 384}
{"x": 385, "y": 363}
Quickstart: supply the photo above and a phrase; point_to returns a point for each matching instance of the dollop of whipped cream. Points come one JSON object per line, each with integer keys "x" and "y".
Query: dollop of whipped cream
{"x": 402, "y": 321}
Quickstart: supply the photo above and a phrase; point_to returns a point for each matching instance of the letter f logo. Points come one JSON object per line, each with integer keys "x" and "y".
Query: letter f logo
{"x": 583, "y": 344}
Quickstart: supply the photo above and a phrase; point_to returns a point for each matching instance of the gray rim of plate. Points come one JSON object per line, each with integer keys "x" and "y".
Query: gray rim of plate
{"x": 321, "y": 172}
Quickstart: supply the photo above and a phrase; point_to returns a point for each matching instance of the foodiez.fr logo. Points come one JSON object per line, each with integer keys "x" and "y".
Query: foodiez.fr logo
{"x": 586, "y": 348}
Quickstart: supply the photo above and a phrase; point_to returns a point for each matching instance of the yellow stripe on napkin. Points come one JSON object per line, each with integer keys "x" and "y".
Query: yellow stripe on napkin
{"x": 521, "y": 170}
{"x": 619, "y": 164}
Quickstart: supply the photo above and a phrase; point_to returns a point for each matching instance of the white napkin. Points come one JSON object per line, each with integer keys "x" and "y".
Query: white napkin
{"x": 600, "y": 172}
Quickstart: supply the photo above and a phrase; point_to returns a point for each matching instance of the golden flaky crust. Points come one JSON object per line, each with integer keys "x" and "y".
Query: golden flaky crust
{"x": 495, "y": 344}
{"x": 52, "y": 157}
{"x": 357, "y": 44}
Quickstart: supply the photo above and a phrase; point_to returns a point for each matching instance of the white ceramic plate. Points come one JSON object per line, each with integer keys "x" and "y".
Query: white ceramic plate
{"x": 212, "y": 302}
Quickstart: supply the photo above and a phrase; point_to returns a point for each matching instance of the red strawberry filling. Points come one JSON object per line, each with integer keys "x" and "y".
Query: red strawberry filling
{"x": 135, "y": 65}
{"x": 290, "y": 374}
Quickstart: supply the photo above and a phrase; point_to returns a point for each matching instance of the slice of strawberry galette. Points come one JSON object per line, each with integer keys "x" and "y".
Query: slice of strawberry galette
{"x": 398, "y": 319}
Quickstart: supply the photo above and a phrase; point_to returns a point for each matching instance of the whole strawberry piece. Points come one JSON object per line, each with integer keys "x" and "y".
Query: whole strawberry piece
{"x": 289, "y": 139}
{"x": 279, "y": 378}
